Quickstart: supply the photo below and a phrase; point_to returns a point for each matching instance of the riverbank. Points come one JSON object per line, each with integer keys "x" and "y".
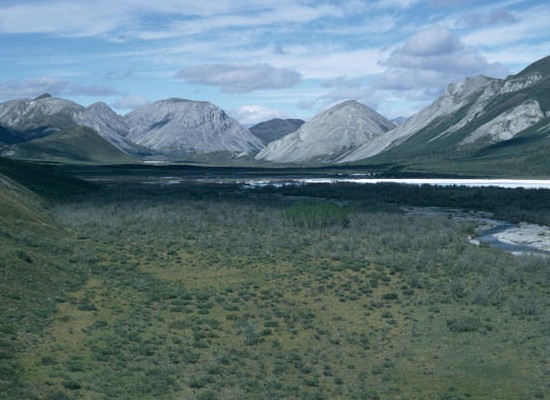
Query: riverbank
{"x": 517, "y": 239}
{"x": 530, "y": 235}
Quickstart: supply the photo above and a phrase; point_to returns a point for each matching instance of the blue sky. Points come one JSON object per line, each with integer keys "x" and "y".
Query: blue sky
{"x": 260, "y": 59}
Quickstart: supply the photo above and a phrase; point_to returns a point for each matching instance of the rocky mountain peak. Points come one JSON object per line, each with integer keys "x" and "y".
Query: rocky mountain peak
{"x": 185, "y": 126}
{"x": 328, "y": 135}
{"x": 43, "y": 96}
{"x": 99, "y": 106}
{"x": 468, "y": 85}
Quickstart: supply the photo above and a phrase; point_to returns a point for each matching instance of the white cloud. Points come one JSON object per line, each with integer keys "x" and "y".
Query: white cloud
{"x": 128, "y": 19}
{"x": 530, "y": 24}
{"x": 131, "y": 102}
{"x": 327, "y": 62}
{"x": 61, "y": 17}
{"x": 395, "y": 4}
{"x": 431, "y": 59}
{"x": 58, "y": 87}
{"x": 431, "y": 41}
{"x": 250, "y": 115}
{"x": 487, "y": 18}
{"x": 240, "y": 78}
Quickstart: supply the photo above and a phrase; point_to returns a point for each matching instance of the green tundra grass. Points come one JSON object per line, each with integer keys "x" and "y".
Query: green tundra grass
{"x": 214, "y": 292}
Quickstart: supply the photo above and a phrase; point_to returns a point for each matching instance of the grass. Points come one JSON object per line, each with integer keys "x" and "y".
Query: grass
{"x": 210, "y": 292}
{"x": 45, "y": 180}
{"x": 78, "y": 144}
{"x": 38, "y": 270}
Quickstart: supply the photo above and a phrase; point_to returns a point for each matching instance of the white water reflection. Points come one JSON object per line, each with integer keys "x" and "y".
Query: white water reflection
{"x": 502, "y": 183}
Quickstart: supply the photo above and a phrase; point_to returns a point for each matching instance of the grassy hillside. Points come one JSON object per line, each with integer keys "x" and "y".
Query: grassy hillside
{"x": 45, "y": 180}
{"x": 527, "y": 155}
{"x": 78, "y": 144}
{"x": 38, "y": 271}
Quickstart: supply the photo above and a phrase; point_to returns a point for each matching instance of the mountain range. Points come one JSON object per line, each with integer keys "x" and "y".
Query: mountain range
{"x": 480, "y": 122}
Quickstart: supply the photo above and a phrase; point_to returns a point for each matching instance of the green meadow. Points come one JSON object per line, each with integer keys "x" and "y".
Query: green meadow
{"x": 211, "y": 291}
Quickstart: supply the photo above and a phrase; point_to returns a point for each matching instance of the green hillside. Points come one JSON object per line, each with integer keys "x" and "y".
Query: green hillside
{"x": 45, "y": 180}
{"x": 78, "y": 144}
{"x": 525, "y": 155}
{"x": 36, "y": 269}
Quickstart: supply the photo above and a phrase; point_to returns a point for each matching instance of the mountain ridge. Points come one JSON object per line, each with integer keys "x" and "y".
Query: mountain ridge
{"x": 181, "y": 126}
{"x": 274, "y": 129}
{"x": 328, "y": 135}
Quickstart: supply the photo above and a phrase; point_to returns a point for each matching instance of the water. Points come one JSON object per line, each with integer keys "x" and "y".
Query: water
{"x": 488, "y": 237}
{"x": 502, "y": 183}
{"x": 515, "y": 235}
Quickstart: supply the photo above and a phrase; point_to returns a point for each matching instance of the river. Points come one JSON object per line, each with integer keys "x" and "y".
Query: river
{"x": 518, "y": 239}
{"x": 502, "y": 183}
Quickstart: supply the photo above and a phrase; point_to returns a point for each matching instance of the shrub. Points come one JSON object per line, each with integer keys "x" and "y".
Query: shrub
{"x": 317, "y": 215}
{"x": 467, "y": 323}
{"x": 390, "y": 296}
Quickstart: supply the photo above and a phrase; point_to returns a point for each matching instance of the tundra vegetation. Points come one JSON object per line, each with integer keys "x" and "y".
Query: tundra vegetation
{"x": 216, "y": 292}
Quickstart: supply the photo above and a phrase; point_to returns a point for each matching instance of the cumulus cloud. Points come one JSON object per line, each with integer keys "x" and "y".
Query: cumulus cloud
{"x": 131, "y": 102}
{"x": 58, "y": 87}
{"x": 431, "y": 59}
{"x": 240, "y": 78}
{"x": 250, "y": 115}
{"x": 431, "y": 41}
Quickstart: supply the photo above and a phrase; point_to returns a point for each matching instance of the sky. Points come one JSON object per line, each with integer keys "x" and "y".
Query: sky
{"x": 263, "y": 59}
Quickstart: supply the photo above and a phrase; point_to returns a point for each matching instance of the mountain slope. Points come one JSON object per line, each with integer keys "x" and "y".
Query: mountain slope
{"x": 468, "y": 120}
{"x": 328, "y": 136}
{"x": 78, "y": 144}
{"x": 27, "y": 119}
{"x": 111, "y": 126}
{"x": 177, "y": 126}
{"x": 37, "y": 263}
{"x": 275, "y": 129}
{"x": 437, "y": 117}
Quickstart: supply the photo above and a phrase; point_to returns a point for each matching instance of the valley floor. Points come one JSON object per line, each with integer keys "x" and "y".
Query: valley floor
{"x": 215, "y": 292}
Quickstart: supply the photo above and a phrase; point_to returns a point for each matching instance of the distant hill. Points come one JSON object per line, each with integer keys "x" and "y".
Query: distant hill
{"x": 44, "y": 180}
{"x": 22, "y": 120}
{"x": 328, "y": 136}
{"x": 79, "y": 144}
{"x": 275, "y": 129}
{"x": 179, "y": 127}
